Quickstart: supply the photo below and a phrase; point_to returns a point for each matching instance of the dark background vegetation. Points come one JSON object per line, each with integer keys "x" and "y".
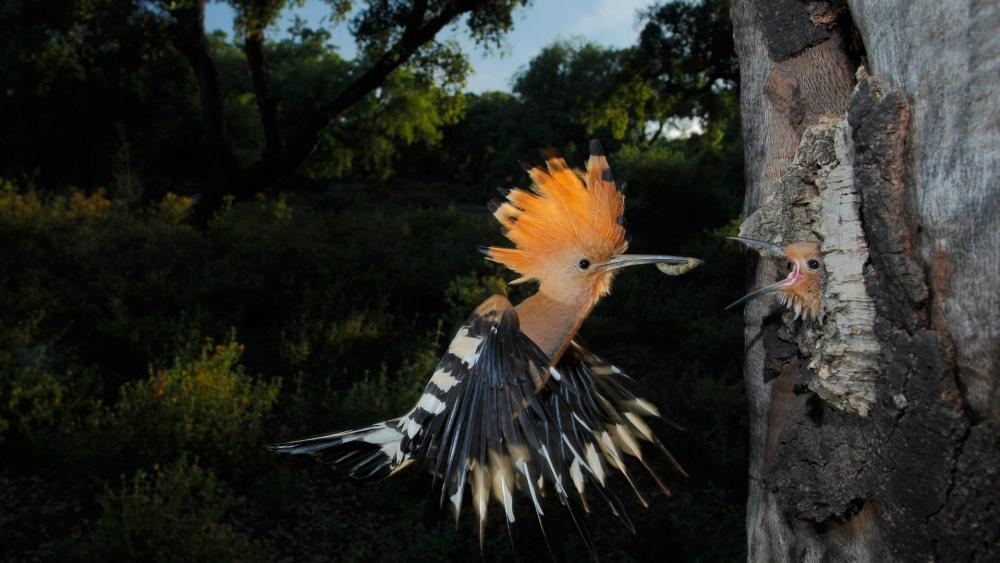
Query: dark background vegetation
{"x": 212, "y": 243}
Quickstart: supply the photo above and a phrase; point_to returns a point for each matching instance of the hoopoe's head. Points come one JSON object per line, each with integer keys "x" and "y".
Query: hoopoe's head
{"x": 802, "y": 289}
{"x": 568, "y": 230}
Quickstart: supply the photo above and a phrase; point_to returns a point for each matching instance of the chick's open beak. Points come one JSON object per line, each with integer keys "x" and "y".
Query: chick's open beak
{"x": 790, "y": 280}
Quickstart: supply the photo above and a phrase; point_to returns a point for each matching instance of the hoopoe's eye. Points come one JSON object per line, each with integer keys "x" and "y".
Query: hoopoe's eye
{"x": 813, "y": 264}
{"x": 584, "y": 264}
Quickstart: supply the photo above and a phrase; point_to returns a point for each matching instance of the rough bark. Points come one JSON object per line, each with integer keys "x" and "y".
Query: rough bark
{"x": 949, "y": 71}
{"x": 874, "y": 431}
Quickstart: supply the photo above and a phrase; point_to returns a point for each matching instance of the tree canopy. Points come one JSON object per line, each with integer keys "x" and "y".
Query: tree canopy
{"x": 110, "y": 65}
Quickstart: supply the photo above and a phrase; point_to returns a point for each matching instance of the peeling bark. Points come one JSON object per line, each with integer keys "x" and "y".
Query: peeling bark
{"x": 816, "y": 201}
{"x": 846, "y": 353}
{"x": 945, "y": 57}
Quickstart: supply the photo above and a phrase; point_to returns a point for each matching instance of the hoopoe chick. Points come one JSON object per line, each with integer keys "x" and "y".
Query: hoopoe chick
{"x": 802, "y": 289}
{"x": 516, "y": 403}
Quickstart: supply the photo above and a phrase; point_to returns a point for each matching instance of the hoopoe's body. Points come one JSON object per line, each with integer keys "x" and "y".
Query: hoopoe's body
{"x": 516, "y": 403}
{"x": 802, "y": 289}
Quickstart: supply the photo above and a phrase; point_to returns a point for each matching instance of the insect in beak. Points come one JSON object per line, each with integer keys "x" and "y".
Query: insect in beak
{"x": 670, "y": 265}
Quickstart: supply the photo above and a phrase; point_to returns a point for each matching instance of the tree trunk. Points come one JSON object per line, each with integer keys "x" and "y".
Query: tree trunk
{"x": 871, "y": 126}
{"x": 187, "y": 34}
{"x": 267, "y": 103}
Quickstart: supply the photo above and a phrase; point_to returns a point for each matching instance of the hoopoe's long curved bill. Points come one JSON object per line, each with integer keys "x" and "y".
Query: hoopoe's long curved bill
{"x": 761, "y": 245}
{"x": 758, "y": 292}
{"x": 625, "y": 260}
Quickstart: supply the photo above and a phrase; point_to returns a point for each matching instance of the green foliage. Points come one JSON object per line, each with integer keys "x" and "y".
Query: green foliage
{"x": 703, "y": 180}
{"x": 384, "y": 397}
{"x": 381, "y": 22}
{"x": 80, "y": 79}
{"x": 561, "y": 86}
{"x": 203, "y": 404}
{"x": 409, "y": 108}
{"x": 45, "y": 407}
{"x": 176, "y": 512}
{"x": 686, "y": 54}
{"x": 115, "y": 81}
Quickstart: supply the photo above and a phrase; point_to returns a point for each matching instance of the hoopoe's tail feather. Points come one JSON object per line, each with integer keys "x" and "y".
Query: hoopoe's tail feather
{"x": 367, "y": 454}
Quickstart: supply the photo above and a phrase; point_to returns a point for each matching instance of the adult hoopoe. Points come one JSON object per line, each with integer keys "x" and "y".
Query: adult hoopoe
{"x": 802, "y": 289}
{"x": 516, "y": 402}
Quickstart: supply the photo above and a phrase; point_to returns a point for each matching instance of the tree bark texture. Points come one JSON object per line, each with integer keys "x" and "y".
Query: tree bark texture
{"x": 873, "y": 128}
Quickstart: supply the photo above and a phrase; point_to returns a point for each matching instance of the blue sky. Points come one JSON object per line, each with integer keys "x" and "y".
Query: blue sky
{"x": 606, "y": 22}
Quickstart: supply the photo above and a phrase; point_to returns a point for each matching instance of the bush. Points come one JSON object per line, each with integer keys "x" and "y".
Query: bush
{"x": 44, "y": 406}
{"x": 383, "y": 397}
{"x": 205, "y": 405}
{"x": 174, "y": 513}
{"x": 39, "y": 404}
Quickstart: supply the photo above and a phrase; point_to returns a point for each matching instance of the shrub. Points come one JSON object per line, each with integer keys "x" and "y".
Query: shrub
{"x": 173, "y": 513}
{"x": 387, "y": 396}
{"x": 40, "y": 404}
{"x": 204, "y": 405}
{"x": 43, "y": 406}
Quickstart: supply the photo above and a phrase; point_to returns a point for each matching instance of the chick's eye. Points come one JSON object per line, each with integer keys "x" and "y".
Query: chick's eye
{"x": 788, "y": 265}
{"x": 584, "y": 264}
{"x": 813, "y": 264}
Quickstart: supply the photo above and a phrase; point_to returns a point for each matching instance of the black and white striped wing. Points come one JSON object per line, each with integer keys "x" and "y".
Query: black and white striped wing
{"x": 601, "y": 423}
{"x": 479, "y": 423}
{"x": 483, "y": 424}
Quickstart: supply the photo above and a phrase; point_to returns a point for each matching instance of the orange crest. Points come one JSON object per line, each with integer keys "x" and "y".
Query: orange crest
{"x": 565, "y": 211}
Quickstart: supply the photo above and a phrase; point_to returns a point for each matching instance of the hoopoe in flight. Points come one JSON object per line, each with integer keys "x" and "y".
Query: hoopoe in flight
{"x": 516, "y": 403}
{"x": 800, "y": 291}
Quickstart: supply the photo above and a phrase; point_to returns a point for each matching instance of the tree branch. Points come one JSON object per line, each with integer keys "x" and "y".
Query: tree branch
{"x": 270, "y": 170}
{"x": 659, "y": 131}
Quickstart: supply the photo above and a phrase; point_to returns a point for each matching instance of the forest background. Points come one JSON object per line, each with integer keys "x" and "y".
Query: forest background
{"x": 213, "y": 242}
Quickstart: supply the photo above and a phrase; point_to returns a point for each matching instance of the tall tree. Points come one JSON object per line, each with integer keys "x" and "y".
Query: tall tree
{"x": 252, "y": 20}
{"x": 390, "y": 34}
{"x": 686, "y": 56}
{"x": 870, "y": 127}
